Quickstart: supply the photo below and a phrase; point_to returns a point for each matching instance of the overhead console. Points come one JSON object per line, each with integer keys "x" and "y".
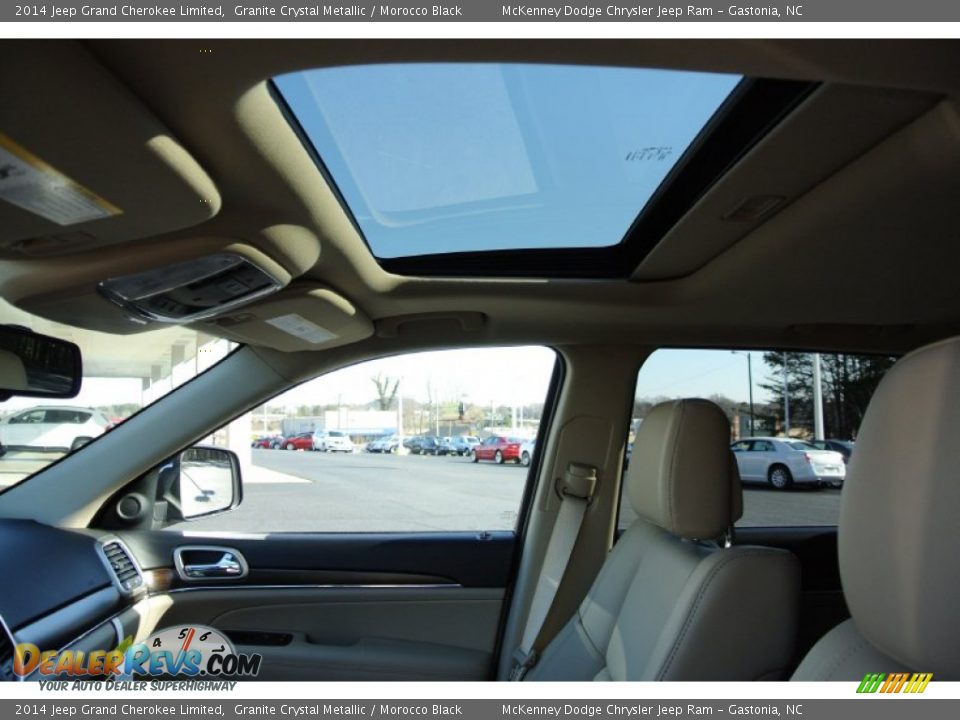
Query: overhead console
{"x": 192, "y": 290}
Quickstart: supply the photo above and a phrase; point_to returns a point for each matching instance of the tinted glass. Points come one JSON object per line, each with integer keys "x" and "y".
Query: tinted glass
{"x": 439, "y": 158}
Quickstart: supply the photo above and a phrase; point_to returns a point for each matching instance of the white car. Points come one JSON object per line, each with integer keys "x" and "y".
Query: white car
{"x": 51, "y": 428}
{"x": 781, "y": 462}
{"x": 332, "y": 441}
{"x": 526, "y": 452}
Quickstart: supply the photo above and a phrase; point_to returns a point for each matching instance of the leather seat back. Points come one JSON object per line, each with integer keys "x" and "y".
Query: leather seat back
{"x": 899, "y": 531}
{"x": 669, "y": 602}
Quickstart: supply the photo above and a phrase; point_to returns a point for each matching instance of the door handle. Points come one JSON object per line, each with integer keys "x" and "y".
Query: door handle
{"x": 208, "y": 562}
{"x": 226, "y": 566}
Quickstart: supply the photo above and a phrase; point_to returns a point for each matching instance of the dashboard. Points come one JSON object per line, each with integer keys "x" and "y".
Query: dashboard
{"x": 84, "y": 600}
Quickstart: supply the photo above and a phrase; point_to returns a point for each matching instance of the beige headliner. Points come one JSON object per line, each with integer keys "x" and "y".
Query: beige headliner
{"x": 863, "y": 255}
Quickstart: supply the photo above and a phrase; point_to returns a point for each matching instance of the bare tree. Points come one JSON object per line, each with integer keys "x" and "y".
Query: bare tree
{"x": 386, "y": 390}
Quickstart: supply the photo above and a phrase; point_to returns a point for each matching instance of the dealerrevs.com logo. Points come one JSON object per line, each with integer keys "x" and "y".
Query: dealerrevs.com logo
{"x": 894, "y": 682}
{"x": 186, "y": 652}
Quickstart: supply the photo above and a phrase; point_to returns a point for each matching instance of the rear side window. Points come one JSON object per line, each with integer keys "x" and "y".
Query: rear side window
{"x": 791, "y": 464}
{"x": 75, "y": 417}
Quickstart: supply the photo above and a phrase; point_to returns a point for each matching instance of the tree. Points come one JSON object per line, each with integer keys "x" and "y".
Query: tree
{"x": 848, "y": 383}
{"x": 386, "y": 390}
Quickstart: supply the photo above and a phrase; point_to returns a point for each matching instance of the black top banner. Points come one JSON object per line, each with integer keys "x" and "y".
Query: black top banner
{"x": 894, "y": 11}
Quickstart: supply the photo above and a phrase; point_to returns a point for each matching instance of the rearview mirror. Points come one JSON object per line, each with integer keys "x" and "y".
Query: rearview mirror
{"x": 35, "y": 365}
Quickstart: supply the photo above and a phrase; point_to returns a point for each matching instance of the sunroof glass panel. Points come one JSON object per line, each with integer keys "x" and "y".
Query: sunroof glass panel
{"x": 444, "y": 158}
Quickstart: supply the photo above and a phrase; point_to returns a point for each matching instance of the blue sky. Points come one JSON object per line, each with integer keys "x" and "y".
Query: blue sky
{"x": 701, "y": 373}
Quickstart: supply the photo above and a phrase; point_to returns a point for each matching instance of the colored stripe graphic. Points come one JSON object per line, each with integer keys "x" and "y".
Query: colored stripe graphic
{"x": 894, "y": 682}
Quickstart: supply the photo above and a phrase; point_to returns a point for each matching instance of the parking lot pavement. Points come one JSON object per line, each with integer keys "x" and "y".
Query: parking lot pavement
{"x": 766, "y": 507}
{"x": 388, "y": 493}
{"x": 374, "y": 493}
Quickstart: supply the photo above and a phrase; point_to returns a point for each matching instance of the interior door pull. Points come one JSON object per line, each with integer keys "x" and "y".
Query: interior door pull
{"x": 203, "y": 562}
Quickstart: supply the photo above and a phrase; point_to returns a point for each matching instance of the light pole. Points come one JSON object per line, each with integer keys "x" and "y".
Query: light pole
{"x": 749, "y": 382}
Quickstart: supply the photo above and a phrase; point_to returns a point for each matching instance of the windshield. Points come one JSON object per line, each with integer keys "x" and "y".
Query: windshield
{"x": 121, "y": 375}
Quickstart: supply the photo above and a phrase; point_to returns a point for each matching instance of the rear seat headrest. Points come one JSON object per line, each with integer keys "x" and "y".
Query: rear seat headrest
{"x": 682, "y": 475}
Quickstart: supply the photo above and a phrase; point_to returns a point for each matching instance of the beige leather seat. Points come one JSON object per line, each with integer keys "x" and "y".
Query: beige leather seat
{"x": 670, "y": 603}
{"x": 899, "y": 531}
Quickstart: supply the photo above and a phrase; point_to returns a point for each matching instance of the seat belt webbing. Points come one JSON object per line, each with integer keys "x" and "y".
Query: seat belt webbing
{"x": 576, "y": 491}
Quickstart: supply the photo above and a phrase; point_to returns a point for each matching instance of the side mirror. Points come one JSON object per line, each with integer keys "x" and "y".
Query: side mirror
{"x": 202, "y": 480}
{"x": 35, "y": 365}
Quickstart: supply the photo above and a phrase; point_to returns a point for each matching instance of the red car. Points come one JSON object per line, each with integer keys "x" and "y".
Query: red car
{"x": 302, "y": 441}
{"x": 499, "y": 449}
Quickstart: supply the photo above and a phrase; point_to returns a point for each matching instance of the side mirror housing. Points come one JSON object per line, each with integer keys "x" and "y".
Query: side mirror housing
{"x": 202, "y": 480}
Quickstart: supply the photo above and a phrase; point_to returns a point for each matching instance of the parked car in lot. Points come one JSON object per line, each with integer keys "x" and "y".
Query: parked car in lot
{"x": 526, "y": 452}
{"x": 462, "y": 445}
{"x": 301, "y": 441}
{"x": 332, "y": 441}
{"x": 52, "y": 428}
{"x": 422, "y": 445}
{"x": 386, "y": 444}
{"x": 499, "y": 449}
{"x": 844, "y": 447}
{"x": 271, "y": 442}
{"x": 783, "y": 462}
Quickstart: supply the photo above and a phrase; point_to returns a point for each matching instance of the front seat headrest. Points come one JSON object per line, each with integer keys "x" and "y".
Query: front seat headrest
{"x": 899, "y": 533}
{"x": 682, "y": 474}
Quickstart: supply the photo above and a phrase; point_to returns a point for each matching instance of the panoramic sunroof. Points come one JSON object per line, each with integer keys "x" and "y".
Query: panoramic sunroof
{"x": 459, "y": 158}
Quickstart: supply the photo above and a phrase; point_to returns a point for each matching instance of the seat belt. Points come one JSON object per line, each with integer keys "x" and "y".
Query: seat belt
{"x": 576, "y": 491}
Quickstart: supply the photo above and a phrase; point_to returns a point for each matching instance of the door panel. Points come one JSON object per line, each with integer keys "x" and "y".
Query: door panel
{"x": 480, "y": 559}
{"x": 353, "y": 633}
{"x": 358, "y": 606}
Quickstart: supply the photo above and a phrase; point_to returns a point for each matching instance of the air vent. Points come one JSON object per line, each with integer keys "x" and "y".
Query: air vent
{"x": 6, "y": 653}
{"x": 122, "y": 565}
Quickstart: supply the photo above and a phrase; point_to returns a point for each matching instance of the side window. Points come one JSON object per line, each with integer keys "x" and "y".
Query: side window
{"x": 372, "y": 460}
{"x": 29, "y": 418}
{"x": 70, "y": 417}
{"x": 769, "y": 397}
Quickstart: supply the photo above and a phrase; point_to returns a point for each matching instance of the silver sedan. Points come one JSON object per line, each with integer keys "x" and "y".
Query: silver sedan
{"x": 781, "y": 462}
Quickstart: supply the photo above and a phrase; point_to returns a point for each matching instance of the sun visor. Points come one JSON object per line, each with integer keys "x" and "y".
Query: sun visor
{"x": 302, "y": 317}
{"x": 83, "y": 163}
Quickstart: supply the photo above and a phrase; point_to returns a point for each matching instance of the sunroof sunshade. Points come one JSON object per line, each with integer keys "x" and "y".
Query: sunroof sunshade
{"x": 452, "y": 158}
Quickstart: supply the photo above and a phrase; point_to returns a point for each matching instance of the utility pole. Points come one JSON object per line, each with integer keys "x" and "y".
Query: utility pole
{"x": 786, "y": 399}
{"x": 817, "y": 399}
{"x": 749, "y": 383}
{"x": 399, "y": 423}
